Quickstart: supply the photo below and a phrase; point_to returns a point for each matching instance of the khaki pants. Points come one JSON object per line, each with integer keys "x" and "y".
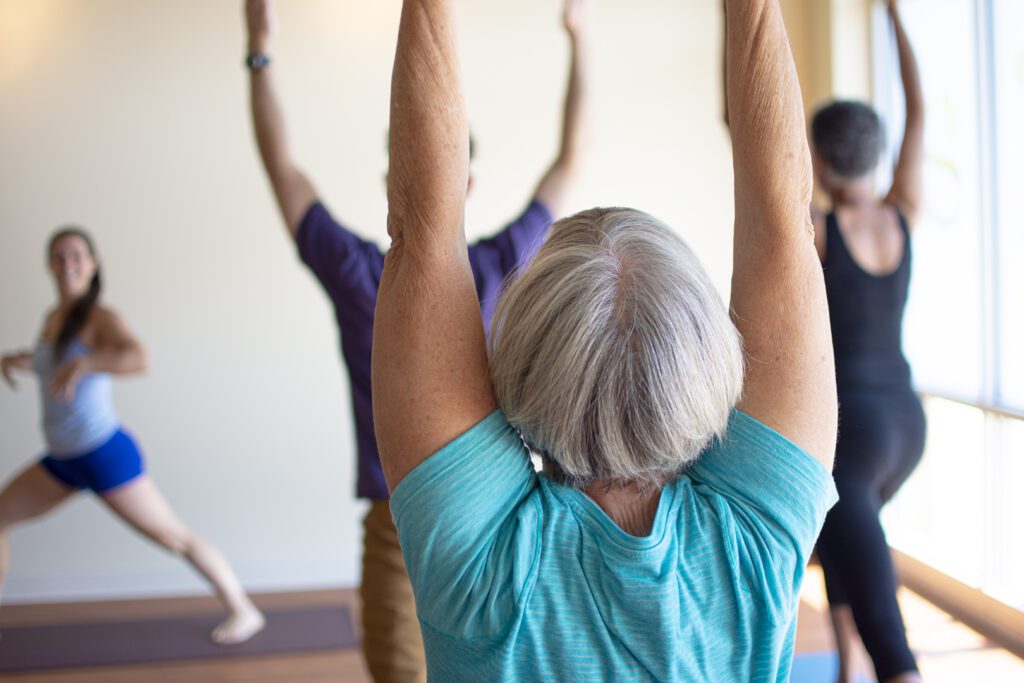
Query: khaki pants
{"x": 392, "y": 642}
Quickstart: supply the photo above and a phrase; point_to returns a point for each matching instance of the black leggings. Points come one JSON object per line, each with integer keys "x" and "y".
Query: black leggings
{"x": 881, "y": 440}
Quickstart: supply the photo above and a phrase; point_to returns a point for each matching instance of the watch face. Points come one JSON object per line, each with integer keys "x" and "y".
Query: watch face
{"x": 256, "y": 61}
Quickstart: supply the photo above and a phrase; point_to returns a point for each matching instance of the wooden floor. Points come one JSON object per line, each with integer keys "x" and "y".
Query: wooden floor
{"x": 948, "y": 651}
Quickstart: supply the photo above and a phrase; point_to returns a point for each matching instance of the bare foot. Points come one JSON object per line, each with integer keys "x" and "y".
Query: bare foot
{"x": 239, "y": 627}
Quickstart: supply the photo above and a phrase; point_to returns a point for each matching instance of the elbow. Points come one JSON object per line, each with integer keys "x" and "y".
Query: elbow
{"x": 915, "y": 115}
{"x": 566, "y": 168}
{"x": 141, "y": 360}
{"x": 914, "y": 103}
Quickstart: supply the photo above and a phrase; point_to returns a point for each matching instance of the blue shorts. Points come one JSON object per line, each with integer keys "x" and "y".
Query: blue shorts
{"x": 115, "y": 463}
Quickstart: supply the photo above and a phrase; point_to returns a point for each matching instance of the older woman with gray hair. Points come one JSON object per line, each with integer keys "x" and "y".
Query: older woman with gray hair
{"x": 666, "y": 537}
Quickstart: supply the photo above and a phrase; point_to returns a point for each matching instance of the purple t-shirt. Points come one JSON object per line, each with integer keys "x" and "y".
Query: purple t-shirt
{"x": 349, "y": 269}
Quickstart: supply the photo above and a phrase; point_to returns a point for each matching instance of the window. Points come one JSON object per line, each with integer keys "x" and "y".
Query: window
{"x": 962, "y": 511}
{"x": 947, "y": 251}
{"x": 1008, "y": 64}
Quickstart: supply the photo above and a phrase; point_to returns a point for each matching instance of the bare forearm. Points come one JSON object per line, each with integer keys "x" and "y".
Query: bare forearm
{"x": 770, "y": 153}
{"x": 908, "y": 177}
{"x": 21, "y": 359}
{"x": 125, "y": 360}
{"x": 575, "y": 118}
{"x": 909, "y": 73}
{"x": 268, "y": 121}
{"x": 429, "y": 134}
{"x": 725, "y": 61}
{"x": 557, "y": 183}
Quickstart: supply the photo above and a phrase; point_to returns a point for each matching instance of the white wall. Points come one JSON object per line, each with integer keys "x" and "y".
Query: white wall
{"x": 130, "y": 117}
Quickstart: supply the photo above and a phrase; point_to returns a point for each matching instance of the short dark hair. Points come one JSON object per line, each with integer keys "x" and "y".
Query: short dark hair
{"x": 848, "y": 136}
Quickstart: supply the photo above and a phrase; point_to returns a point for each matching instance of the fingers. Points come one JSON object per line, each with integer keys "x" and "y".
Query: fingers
{"x": 569, "y": 13}
{"x": 5, "y": 369}
{"x": 573, "y": 14}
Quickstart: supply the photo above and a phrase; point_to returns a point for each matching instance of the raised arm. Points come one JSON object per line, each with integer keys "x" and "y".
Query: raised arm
{"x": 292, "y": 189}
{"x": 556, "y": 186}
{"x": 430, "y": 381}
{"x": 778, "y": 291}
{"x": 907, "y": 190}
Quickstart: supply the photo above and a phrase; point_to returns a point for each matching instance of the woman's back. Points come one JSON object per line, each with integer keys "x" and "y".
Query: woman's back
{"x": 531, "y": 580}
{"x": 867, "y": 267}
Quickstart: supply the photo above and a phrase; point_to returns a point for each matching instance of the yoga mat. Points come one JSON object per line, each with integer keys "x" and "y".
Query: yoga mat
{"x": 820, "y": 667}
{"x": 60, "y": 646}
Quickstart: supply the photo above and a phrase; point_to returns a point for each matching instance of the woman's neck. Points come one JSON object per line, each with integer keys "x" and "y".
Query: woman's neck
{"x": 631, "y": 507}
{"x": 65, "y": 300}
{"x": 856, "y": 193}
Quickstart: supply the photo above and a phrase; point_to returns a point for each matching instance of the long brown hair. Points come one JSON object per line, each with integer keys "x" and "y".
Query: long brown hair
{"x": 79, "y": 312}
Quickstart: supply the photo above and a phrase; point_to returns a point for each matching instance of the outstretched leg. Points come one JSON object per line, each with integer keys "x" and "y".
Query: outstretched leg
{"x": 853, "y": 549}
{"x": 31, "y": 493}
{"x": 141, "y": 505}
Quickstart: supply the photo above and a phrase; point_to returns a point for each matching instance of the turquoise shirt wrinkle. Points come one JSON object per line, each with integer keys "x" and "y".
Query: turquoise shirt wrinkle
{"x": 518, "y": 578}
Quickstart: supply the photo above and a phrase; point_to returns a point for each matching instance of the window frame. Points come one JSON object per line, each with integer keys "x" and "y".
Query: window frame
{"x": 997, "y": 411}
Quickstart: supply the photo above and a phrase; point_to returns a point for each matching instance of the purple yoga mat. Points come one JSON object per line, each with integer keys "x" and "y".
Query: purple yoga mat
{"x": 62, "y": 646}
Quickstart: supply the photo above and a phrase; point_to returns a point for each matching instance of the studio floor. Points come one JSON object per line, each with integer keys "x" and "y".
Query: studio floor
{"x": 948, "y": 651}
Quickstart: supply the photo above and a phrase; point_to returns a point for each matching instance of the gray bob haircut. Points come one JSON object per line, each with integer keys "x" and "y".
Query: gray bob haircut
{"x": 613, "y": 354}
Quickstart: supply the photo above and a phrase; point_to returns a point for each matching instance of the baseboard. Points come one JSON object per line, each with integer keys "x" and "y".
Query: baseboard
{"x": 74, "y": 611}
{"x": 173, "y": 583}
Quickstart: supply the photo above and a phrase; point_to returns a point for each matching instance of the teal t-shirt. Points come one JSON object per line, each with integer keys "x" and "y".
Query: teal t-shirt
{"x": 520, "y": 579}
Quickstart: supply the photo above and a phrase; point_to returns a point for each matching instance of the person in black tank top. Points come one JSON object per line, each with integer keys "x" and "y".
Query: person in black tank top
{"x": 865, "y": 248}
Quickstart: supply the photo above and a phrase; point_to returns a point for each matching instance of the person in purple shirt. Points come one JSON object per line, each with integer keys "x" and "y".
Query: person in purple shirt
{"x": 349, "y": 269}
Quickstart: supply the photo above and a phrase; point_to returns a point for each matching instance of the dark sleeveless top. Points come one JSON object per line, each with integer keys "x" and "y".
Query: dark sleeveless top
{"x": 867, "y": 315}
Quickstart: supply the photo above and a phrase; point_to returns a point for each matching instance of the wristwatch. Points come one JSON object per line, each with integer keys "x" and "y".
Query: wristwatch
{"x": 256, "y": 61}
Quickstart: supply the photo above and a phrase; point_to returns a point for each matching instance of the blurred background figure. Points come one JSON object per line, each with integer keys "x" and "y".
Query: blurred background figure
{"x": 81, "y": 345}
{"x": 349, "y": 269}
{"x": 865, "y": 249}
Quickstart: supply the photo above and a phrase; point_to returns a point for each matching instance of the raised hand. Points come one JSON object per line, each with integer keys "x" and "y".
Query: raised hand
{"x": 66, "y": 378}
{"x": 18, "y": 361}
{"x": 6, "y": 365}
{"x": 574, "y": 16}
{"x": 261, "y": 23}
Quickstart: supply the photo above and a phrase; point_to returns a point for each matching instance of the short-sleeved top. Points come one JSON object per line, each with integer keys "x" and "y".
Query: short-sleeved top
{"x": 349, "y": 269}
{"x": 517, "y": 578}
